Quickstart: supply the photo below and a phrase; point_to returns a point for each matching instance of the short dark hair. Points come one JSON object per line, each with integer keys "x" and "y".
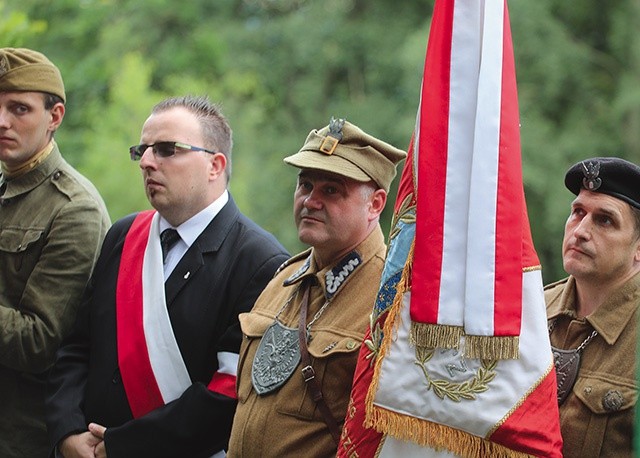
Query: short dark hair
{"x": 50, "y": 100}
{"x": 215, "y": 128}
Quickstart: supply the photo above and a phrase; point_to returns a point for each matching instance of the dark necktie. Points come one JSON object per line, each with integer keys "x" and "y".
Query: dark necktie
{"x": 168, "y": 238}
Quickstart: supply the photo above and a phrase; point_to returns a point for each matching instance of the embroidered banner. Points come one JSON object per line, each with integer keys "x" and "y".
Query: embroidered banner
{"x": 457, "y": 361}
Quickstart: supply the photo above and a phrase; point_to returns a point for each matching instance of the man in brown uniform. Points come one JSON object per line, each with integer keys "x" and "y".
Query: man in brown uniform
{"x": 301, "y": 339}
{"x": 593, "y": 313}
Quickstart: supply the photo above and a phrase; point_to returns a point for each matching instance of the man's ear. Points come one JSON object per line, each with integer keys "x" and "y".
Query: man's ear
{"x": 218, "y": 165}
{"x": 377, "y": 202}
{"x": 57, "y": 113}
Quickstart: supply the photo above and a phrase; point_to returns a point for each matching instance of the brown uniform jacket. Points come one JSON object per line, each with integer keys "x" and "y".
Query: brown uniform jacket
{"x": 597, "y": 418}
{"x": 287, "y": 422}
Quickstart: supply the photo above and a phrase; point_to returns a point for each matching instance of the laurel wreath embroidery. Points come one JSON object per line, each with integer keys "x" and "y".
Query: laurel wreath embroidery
{"x": 373, "y": 344}
{"x": 457, "y": 391}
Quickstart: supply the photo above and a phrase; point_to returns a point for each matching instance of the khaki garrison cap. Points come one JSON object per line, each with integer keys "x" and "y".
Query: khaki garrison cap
{"x": 22, "y": 69}
{"x": 345, "y": 149}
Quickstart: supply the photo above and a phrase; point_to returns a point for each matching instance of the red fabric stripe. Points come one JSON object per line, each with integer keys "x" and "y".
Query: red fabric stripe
{"x": 133, "y": 358}
{"x": 534, "y": 428}
{"x": 508, "y": 279}
{"x": 432, "y": 167}
{"x": 224, "y": 384}
{"x": 356, "y": 440}
{"x": 405, "y": 186}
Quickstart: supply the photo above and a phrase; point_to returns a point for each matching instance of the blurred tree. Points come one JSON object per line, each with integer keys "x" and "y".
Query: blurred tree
{"x": 282, "y": 67}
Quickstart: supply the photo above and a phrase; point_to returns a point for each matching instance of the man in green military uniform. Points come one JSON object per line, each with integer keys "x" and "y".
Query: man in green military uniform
{"x": 593, "y": 314}
{"x": 52, "y": 222}
{"x": 303, "y": 335}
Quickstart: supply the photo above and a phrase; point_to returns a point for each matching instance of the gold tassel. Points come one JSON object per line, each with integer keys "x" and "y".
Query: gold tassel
{"x": 390, "y": 326}
{"x": 425, "y": 335}
{"x": 492, "y": 347}
{"x": 438, "y": 436}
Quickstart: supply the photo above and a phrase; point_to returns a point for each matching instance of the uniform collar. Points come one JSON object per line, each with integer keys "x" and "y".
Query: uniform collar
{"x": 611, "y": 318}
{"x": 333, "y": 277}
{"x": 33, "y": 178}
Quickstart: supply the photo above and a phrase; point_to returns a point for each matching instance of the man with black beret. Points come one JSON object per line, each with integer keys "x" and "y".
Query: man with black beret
{"x": 593, "y": 313}
{"x": 303, "y": 335}
{"x": 52, "y": 222}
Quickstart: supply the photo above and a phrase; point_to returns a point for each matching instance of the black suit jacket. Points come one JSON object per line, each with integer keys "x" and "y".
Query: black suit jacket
{"x": 229, "y": 265}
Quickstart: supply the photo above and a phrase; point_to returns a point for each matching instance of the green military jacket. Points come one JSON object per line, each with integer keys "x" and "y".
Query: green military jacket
{"x": 597, "y": 418}
{"x": 287, "y": 422}
{"x": 52, "y": 222}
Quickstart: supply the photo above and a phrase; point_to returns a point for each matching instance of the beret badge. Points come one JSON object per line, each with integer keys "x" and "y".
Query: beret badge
{"x": 591, "y": 170}
{"x": 333, "y": 137}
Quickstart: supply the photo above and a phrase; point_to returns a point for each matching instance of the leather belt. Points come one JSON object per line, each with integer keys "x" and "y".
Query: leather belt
{"x": 309, "y": 374}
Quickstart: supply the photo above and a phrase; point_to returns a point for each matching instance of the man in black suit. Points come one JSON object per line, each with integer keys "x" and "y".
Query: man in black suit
{"x": 150, "y": 370}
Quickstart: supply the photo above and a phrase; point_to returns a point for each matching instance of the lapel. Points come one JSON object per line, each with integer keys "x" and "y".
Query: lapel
{"x": 209, "y": 241}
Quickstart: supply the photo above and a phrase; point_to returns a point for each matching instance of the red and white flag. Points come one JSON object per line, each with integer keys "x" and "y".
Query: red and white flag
{"x": 457, "y": 361}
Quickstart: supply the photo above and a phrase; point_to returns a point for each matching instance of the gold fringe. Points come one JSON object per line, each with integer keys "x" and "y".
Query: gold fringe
{"x": 388, "y": 330}
{"x": 438, "y": 436}
{"x": 532, "y": 268}
{"x": 425, "y": 335}
{"x": 492, "y": 347}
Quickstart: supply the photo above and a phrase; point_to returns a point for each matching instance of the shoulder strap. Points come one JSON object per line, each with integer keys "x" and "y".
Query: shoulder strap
{"x": 307, "y": 370}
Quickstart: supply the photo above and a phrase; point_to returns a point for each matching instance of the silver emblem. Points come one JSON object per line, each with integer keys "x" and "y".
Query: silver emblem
{"x": 612, "y": 401}
{"x": 591, "y": 170}
{"x": 276, "y": 359}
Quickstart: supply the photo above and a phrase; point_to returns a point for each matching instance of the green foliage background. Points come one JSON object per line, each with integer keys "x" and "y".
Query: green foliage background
{"x": 282, "y": 67}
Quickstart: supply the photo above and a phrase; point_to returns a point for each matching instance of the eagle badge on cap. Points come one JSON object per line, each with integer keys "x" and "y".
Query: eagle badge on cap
{"x": 4, "y": 64}
{"x": 591, "y": 170}
{"x": 330, "y": 142}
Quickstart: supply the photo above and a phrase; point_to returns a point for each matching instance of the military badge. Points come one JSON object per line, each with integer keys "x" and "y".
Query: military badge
{"x": 612, "y": 401}
{"x": 4, "y": 65}
{"x": 591, "y": 170}
{"x": 330, "y": 142}
{"x": 277, "y": 357}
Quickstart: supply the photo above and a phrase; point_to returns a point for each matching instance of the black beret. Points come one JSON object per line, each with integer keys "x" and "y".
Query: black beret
{"x": 608, "y": 175}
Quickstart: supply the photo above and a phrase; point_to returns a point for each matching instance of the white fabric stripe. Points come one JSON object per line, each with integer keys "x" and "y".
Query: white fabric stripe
{"x": 465, "y": 54}
{"x": 166, "y": 360}
{"x": 228, "y": 363}
{"x": 514, "y": 379}
{"x": 480, "y": 287}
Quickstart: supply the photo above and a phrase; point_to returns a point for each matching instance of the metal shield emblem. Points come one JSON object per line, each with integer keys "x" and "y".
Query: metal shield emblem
{"x": 277, "y": 357}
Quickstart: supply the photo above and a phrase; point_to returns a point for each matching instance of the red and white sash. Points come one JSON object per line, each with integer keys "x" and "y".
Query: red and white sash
{"x": 153, "y": 371}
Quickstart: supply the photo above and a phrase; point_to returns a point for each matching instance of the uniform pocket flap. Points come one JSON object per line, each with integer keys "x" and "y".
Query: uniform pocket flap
{"x": 253, "y": 324}
{"x": 16, "y": 240}
{"x": 327, "y": 342}
{"x": 603, "y": 395}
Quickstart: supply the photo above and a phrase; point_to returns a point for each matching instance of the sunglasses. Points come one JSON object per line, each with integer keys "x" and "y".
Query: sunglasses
{"x": 163, "y": 149}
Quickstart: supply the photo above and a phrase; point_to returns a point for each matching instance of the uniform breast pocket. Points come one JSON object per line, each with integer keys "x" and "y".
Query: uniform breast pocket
{"x": 333, "y": 358}
{"x": 21, "y": 248}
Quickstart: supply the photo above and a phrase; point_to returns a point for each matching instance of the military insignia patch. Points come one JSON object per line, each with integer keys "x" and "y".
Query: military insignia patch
{"x": 330, "y": 142}
{"x": 591, "y": 170}
{"x": 4, "y": 65}
{"x": 298, "y": 273}
{"x": 339, "y": 274}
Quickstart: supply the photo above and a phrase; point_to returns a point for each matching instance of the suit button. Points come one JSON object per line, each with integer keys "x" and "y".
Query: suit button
{"x": 116, "y": 378}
